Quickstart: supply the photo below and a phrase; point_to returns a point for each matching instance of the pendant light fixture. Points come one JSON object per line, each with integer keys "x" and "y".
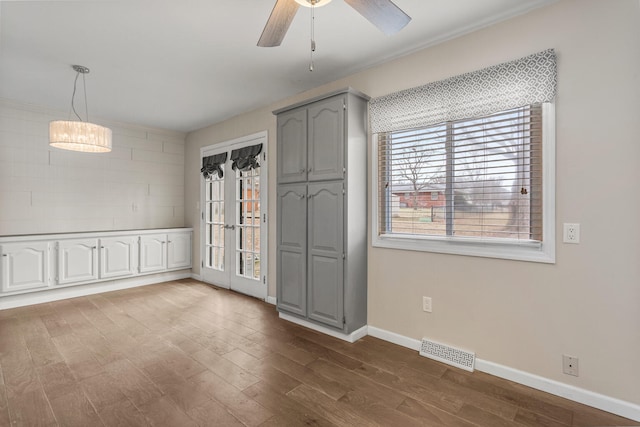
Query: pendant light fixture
{"x": 79, "y": 135}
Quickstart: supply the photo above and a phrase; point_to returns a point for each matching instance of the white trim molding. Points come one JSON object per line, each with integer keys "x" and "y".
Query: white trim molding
{"x": 351, "y": 338}
{"x": 271, "y": 300}
{"x": 44, "y": 296}
{"x": 543, "y": 252}
{"x": 580, "y": 395}
{"x": 576, "y": 394}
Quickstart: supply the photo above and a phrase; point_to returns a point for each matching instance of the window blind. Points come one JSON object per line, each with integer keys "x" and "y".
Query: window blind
{"x": 473, "y": 178}
{"x": 525, "y": 81}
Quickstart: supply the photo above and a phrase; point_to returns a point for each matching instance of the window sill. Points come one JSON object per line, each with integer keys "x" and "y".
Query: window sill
{"x": 525, "y": 251}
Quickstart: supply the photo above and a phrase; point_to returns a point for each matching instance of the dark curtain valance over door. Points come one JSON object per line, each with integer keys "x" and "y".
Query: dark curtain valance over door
{"x": 246, "y": 158}
{"x": 213, "y": 165}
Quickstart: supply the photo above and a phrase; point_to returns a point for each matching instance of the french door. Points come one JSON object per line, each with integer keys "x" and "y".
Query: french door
{"x": 234, "y": 231}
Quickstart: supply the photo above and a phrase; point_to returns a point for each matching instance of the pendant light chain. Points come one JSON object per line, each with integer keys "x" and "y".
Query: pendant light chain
{"x": 73, "y": 96}
{"x": 80, "y": 70}
{"x": 86, "y": 106}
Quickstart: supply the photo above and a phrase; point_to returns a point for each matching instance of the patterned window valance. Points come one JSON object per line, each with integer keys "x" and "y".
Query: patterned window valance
{"x": 529, "y": 80}
{"x": 212, "y": 165}
{"x": 246, "y": 158}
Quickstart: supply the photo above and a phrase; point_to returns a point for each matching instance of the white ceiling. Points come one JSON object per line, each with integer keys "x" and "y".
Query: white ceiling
{"x": 186, "y": 64}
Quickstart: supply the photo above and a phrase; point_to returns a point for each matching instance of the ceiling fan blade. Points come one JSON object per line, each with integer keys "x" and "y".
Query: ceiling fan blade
{"x": 384, "y": 14}
{"x": 278, "y": 23}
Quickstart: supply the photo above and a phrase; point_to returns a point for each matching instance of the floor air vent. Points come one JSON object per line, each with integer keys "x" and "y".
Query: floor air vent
{"x": 447, "y": 354}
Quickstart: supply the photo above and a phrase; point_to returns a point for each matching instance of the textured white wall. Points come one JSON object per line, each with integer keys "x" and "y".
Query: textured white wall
{"x": 140, "y": 184}
{"x": 519, "y": 314}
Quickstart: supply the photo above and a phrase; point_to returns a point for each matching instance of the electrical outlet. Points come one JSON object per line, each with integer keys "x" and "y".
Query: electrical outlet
{"x": 426, "y": 304}
{"x": 571, "y": 233}
{"x": 570, "y": 365}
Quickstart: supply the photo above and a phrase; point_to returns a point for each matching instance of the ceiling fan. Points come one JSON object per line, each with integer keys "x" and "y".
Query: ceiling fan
{"x": 384, "y": 14}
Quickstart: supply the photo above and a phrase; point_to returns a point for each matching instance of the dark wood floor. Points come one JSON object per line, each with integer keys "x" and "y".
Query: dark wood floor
{"x": 184, "y": 354}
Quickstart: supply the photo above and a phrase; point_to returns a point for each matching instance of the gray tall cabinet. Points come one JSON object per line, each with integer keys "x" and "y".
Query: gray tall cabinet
{"x": 322, "y": 210}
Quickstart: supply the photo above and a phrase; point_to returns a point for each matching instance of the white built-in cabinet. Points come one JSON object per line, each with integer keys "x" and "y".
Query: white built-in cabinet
{"x": 24, "y": 266}
{"x": 118, "y": 256}
{"x": 77, "y": 261}
{"x": 34, "y": 263}
{"x": 322, "y": 210}
{"x": 160, "y": 252}
{"x": 178, "y": 250}
{"x": 153, "y": 253}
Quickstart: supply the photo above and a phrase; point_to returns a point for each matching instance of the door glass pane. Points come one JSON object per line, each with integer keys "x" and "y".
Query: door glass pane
{"x": 248, "y": 224}
{"x": 214, "y": 219}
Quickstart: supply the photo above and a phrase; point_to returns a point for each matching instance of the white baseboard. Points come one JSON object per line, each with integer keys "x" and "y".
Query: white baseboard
{"x": 196, "y": 277}
{"x": 580, "y": 395}
{"x": 394, "y": 338}
{"x": 49, "y": 295}
{"x": 352, "y": 337}
{"x": 586, "y": 397}
{"x": 271, "y": 300}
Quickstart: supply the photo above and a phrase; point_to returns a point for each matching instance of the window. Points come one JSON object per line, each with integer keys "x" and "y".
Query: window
{"x": 466, "y": 165}
{"x": 490, "y": 170}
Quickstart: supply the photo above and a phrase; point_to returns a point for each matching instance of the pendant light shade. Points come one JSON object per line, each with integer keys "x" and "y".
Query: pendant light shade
{"x": 79, "y": 135}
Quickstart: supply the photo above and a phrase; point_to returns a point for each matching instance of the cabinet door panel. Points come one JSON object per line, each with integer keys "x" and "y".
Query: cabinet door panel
{"x": 325, "y": 290}
{"x": 292, "y": 146}
{"x": 24, "y": 266}
{"x": 326, "y": 140}
{"x": 292, "y": 290}
{"x": 153, "y": 253}
{"x": 292, "y": 253}
{"x": 179, "y": 250}
{"x": 326, "y": 248}
{"x": 77, "y": 261}
{"x": 117, "y": 256}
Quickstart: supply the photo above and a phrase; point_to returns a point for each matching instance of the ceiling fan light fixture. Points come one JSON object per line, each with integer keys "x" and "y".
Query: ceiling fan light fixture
{"x": 384, "y": 14}
{"x": 79, "y": 135}
{"x": 314, "y": 3}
